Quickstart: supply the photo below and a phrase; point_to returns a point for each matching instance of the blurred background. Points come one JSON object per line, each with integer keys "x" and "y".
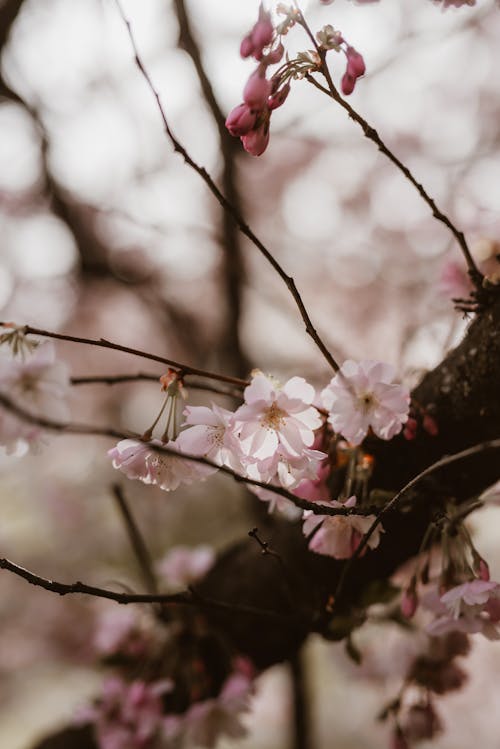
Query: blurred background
{"x": 105, "y": 232}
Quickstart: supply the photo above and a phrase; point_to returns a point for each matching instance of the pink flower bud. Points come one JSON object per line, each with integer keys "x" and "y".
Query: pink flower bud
{"x": 410, "y": 430}
{"x": 483, "y": 569}
{"x": 430, "y": 425}
{"x": 355, "y": 63}
{"x": 409, "y": 603}
{"x": 274, "y": 55}
{"x": 278, "y": 98}
{"x": 241, "y": 120}
{"x": 262, "y": 32}
{"x": 347, "y": 84}
{"x": 398, "y": 741}
{"x": 256, "y": 91}
{"x": 255, "y": 142}
{"x": 246, "y": 46}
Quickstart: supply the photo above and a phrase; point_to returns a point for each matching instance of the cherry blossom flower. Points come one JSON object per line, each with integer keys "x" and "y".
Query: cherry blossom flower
{"x": 363, "y": 395}
{"x": 40, "y": 385}
{"x": 206, "y": 721}
{"x": 139, "y": 460}
{"x": 129, "y": 716}
{"x": 276, "y": 415}
{"x": 183, "y": 566}
{"x": 339, "y": 536}
{"x": 210, "y": 434}
{"x": 471, "y": 607}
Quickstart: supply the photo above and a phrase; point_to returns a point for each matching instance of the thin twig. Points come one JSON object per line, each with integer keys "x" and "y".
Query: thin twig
{"x": 96, "y": 431}
{"x": 225, "y": 203}
{"x": 136, "y": 540}
{"x": 148, "y": 377}
{"x": 103, "y": 343}
{"x": 185, "y": 598}
{"x": 395, "y": 501}
{"x": 372, "y": 134}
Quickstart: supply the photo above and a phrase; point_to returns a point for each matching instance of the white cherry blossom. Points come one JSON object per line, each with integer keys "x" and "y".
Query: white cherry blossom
{"x": 277, "y": 416}
{"x": 210, "y": 434}
{"x": 363, "y": 395}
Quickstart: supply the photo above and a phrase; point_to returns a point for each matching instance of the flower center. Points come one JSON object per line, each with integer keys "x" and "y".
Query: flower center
{"x": 367, "y": 402}
{"x": 274, "y": 417}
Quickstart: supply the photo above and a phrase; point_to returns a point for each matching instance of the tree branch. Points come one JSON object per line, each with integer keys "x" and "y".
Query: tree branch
{"x": 148, "y": 377}
{"x": 136, "y": 540}
{"x": 103, "y": 343}
{"x": 226, "y": 204}
{"x": 185, "y": 598}
{"x": 372, "y": 134}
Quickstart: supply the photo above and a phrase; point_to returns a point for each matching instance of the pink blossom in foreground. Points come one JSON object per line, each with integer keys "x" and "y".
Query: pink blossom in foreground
{"x": 39, "y": 384}
{"x": 339, "y": 536}
{"x": 206, "y": 721}
{"x": 277, "y": 416}
{"x": 129, "y": 716}
{"x": 182, "y": 566}
{"x": 210, "y": 433}
{"x": 139, "y": 460}
{"x": 471, "y": 607}
{"x": 363, "y": 395}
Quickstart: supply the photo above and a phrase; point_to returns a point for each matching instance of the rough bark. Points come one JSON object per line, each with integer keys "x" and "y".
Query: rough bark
{"x": 463, "y": 395}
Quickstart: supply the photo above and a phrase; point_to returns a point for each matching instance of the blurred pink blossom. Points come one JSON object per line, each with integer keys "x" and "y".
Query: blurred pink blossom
{"x": 471, "y": 607}
{"x": 182, "y": 565}
{"x": 129, "y": 716}
{"x": 38, "y": 383}
{"x": 206, "y": 721}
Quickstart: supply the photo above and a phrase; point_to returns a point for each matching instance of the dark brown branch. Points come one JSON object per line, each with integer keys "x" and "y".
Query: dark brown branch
{"x": 404, "y": 492}
{"x": 226, "y": 204}
{"x": 136, "y": 540}
{"x": 95, "y": 431}
{"x": 372, "y": 134}
{"x": 148, "y": 377}
{"x": 185, "y": 598}
{"x": 102, "y": 343}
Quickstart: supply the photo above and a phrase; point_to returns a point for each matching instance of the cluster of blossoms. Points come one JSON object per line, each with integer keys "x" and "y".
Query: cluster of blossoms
{"x": 175, "y": 701}
{"x": 250, "y": 120}
{"x": 276, "y": 438}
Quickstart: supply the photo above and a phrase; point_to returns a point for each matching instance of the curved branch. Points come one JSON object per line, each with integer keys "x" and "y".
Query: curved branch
{"x": 370, "y": 133}
{"x": 226, "y": 204}
{"x": 103, "y": 343}
{"x": 185, "y": 598}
